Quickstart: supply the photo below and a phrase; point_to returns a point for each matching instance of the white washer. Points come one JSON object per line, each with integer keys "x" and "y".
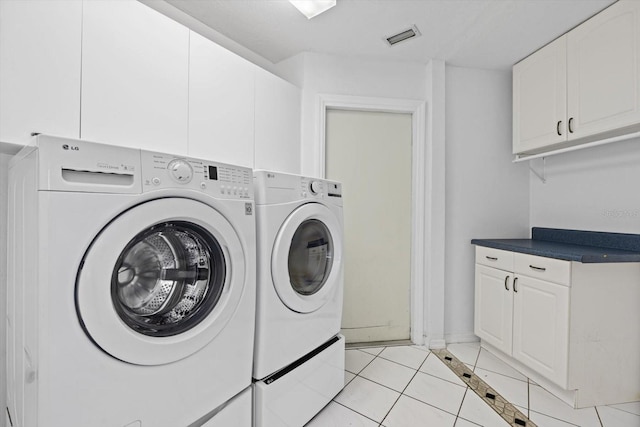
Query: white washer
{"x": 299, "y": 354}
{"x": 131, "y": 288}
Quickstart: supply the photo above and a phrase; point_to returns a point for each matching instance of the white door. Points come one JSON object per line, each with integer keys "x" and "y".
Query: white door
{"x": 494, "y": 307}
{"x": 603, "y": 66}
{"x": 541, "y": 327}
{"x": 370, "y": 153}
{"x": 540, "y": 98}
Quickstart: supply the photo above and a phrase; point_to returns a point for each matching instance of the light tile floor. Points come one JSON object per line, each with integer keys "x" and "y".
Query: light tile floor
{"x": 408, "y": 386}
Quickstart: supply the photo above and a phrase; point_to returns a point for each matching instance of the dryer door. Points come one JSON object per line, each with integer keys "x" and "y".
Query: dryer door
{"x": 307, "y": 258}
{"x": 160, "y": 281}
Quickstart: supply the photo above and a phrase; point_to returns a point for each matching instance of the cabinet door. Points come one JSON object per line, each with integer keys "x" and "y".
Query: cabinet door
{"x": 135, "y": 64}
{"x": 493, "y": 307}
{"x": 40, "y": 42}
{"x": 541, "y": 327}
{"x": 277, "y": 124}
{"x": 221, "y": 104}
{"x": 603, "y": 72}
{"x": 540, "y": 98}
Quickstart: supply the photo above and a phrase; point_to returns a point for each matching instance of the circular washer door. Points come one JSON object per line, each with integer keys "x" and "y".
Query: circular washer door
{"x": 160, "y": 281}
{"x": 307, "y": 258}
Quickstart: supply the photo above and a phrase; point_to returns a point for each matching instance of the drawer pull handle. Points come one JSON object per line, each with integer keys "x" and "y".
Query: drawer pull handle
{"x": 537, "y": 268}
{"x": 491, "y": 258}
{"x": 515, "y": 280}
{"x": 558, "y": 128}
{"x": 506, "y": 283}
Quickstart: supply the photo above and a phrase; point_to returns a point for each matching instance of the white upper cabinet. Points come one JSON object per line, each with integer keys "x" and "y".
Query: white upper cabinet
{"x": 277, "y": 124}
{"x": 603, "y": 74}
{"x": 135, "y": 76}
{"x": 221, "y": 104}
{"x": 540, "y": 98}
{"x": 582, "y": 87}
{"x": 39, "y": 68}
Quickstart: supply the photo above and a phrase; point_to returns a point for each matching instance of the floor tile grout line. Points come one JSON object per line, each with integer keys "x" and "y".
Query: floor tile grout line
{"x": 464, "y": 396}
{"x": 365, "y": 366}
{"x": 398, "y": 363}
{"x": 560, "y": 419}
{"x": 612, "y": 406}
{"x": 359, "y": 413}
{"x": 501, "y": 374}
{"x": 428, "y": 404}
{"x": 403, "y": 390}
{"x": 598, "y": 414}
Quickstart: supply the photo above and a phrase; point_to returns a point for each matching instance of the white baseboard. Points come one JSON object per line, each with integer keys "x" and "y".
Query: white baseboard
{"x": 460, "y": 338}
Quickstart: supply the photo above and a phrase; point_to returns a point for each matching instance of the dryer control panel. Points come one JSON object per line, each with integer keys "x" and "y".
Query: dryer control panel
{"x": 279, "y": 187}
{"x": 314, "y": 187}
{"x": 221, "y": 180}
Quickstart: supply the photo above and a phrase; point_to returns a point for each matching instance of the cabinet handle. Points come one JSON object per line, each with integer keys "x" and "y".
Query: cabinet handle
{"x": 537, "y": 268}
{"x": 506, "y": 283}
{"x": 558, "y": 127}
{"x": 515, "y": 280}
{"x": 491, "y": 258}
{"x": 569, "y": 124}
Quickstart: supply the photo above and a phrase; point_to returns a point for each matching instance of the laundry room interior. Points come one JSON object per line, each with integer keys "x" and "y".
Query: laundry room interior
{"x": 459, "y": 178}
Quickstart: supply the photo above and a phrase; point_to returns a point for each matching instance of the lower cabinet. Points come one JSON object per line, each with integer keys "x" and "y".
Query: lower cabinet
{"x": 541, "y": 326}
{"x": 573, "y": 328}
{"x": 524, "y": 317}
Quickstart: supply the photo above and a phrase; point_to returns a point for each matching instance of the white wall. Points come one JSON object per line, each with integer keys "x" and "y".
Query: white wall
{"x": 592, "y": 189}
{"x": 327, "y": 74}
{"x": 4, "y": 163}
{"x": 486, "y": 194}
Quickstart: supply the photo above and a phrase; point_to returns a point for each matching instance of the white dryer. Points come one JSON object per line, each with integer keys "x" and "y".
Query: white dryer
{"x": 131, "y": 288}
{"x": 299, "y": 353}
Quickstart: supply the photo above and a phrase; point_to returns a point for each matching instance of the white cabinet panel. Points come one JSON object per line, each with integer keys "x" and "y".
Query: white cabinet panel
{"x": 221, "y": 104}
{"x": 603, "y": 73}
{"x": 134, "y": 77}
{"x": 494, "y": 307}
{"x": 39, "y": 68}
{"x": 541, "y": 327}
{"x": 277, "y": 124}
{"x": 540, "y": 98}
{"x": 582, "y": 87}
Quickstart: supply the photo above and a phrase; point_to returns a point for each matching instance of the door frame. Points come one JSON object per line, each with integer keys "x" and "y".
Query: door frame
{"x": 419, "y": 201}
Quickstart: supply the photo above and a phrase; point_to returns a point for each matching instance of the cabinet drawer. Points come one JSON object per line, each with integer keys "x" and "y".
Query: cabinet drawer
{"x": 549, "y": 269}
{"x": 495, "y": 258}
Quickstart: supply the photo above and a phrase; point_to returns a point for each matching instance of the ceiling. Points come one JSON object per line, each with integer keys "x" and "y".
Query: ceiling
{"x": 492, "y": 34}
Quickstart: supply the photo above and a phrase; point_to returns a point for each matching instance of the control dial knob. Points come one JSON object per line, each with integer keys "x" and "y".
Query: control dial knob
{"x": 315, "y": 187}
{"x": 180, "y": 170}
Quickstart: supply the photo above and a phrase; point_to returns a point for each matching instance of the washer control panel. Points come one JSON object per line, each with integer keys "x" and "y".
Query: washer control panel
{"x": 220, "y": 180}
{"x": 180, "y": 170}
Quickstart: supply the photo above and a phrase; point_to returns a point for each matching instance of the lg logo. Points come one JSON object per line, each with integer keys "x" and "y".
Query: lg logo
{"x": 70, "y": 147}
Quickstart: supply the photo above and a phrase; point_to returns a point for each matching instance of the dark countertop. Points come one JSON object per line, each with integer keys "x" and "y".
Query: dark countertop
{"x": 570, "y": 245}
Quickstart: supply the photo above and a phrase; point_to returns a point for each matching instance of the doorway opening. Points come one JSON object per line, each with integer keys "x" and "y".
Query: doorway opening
{"x": 359, "y": 227}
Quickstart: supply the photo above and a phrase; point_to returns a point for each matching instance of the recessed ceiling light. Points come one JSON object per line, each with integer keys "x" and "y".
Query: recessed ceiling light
{"x": 403, "y": 35}
{"x": 311, "y": 8}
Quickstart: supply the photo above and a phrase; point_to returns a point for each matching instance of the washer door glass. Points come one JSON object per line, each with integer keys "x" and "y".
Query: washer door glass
{"x": 310, "y": 257}
{"x": 306, "y": 262}
{"x": 168, "y": 278}
{"x": 162, "y": 280}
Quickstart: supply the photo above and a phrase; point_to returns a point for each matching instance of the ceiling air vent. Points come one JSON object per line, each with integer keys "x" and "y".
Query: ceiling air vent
{"x": 403, "y": 35}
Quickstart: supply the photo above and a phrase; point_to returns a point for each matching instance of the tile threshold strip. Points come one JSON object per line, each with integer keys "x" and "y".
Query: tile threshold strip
{"x": 491, "y": 397}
